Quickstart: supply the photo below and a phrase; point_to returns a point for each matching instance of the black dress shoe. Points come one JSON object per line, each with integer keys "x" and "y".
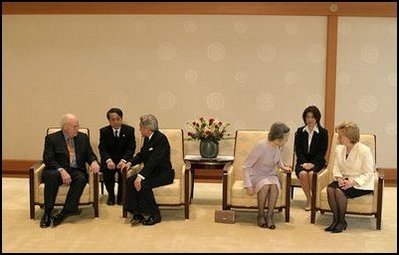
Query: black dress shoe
{"x": 137, "y": 218}
{"x": 340, "y": 227}
{"x": 119, "y": 199}
{"x": 153, "y": 219}
{"x": 57, "y": 219}
{"x": 111, "y": 201}
{"x": 46, "y": 220}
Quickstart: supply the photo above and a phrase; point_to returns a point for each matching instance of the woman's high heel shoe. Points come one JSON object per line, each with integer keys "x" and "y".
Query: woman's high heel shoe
{"x": 272, "y": 226}
{"x": 262, "y": 222}
{"x": 331, "y": 227}
{"x": 340, "y": 227}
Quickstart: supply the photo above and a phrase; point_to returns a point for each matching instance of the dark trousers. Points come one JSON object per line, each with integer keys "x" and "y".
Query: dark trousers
{"x": 52, "y": 181}
{"x": 109, "y": 180}
{"x": 142, "y": 201}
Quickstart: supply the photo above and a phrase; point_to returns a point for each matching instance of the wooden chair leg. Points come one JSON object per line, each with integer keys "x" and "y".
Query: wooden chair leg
{"x": 186, "y": 211}
{"x": 32, "y": 210}
{"x": 95, "y": 205}
{"x": 292, "y": 192}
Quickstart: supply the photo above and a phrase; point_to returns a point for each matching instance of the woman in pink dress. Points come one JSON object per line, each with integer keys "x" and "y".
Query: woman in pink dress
{"x": 260, "y": 172}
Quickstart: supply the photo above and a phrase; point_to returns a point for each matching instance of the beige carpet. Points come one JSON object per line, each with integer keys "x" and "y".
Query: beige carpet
{"x": 111, "y": 233}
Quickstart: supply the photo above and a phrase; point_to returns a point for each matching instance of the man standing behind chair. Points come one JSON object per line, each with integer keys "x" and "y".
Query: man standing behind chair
{"x": 157, "y": 171}
{"x": 66, "y": 153}
{"x": 117, "y": 145}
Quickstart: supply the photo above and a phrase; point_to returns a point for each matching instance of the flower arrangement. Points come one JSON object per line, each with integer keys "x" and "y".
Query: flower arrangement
{"x": 207, "y": 129}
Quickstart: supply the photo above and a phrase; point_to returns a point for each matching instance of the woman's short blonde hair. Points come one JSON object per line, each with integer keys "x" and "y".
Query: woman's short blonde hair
{"x": 350, "y": 130}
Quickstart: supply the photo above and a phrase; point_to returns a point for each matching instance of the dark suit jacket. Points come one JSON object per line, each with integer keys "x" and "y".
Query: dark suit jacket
{"x": 56, "y": 153}
{"x": 318, "y": 148}
{"x": 155, "y": 154}
{"x": 116, "y": 148}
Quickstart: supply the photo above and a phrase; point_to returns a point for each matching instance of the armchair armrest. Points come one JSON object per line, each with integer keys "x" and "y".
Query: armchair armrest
{"x": 38, "y": 173}
{"x": 323, "y": 179}
{"x": 134, "y": 170}
{"x": 319, "y": 181}
{"x": 378, "y": 189}
{"x": 228, "y": 180}
{"x": 182, "y": 178}
{"x": 35, "y": 178}
{"x": 93, "y": 184}
{"x": 380, "y": 173}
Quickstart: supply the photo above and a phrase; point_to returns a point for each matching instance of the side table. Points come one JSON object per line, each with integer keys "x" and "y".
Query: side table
{"x": 197, "y": 162}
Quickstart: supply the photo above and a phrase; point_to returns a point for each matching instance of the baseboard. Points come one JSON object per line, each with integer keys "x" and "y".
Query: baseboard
{"x": 16, "y": 168}
{"x": 390, "y": 176}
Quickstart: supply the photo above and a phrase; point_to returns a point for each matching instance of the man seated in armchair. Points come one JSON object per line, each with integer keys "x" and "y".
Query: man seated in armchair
{"x": 66, "y": 153}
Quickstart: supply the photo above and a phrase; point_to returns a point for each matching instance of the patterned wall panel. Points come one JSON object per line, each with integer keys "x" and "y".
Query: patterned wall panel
{"x": 366, "y": 80}
{"x": 249, "y": 71}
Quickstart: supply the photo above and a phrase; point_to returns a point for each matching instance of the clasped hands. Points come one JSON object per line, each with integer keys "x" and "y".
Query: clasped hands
{"x": 344, "y": 183}
{"x": 111, "y": 165}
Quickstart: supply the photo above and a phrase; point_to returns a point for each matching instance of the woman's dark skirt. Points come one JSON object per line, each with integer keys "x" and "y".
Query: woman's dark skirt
{"x": 351, "y": 192}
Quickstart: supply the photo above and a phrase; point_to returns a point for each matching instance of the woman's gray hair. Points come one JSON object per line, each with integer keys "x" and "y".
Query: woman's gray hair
{"x": 149, "y": 121}
{"x": 277, "y": 131}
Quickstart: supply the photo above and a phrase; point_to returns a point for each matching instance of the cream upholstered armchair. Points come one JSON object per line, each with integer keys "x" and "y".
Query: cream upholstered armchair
{"x": 234, "y": 194}
{"x": 36, "y": 185}
{"x": 370, "y": 204}
{"x": 176, "y": 193}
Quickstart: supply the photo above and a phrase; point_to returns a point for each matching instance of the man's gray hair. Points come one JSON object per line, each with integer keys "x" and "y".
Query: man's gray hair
{"x": 149, "y": 121}
{"x": 66, "y": 118}
{"x": 277, "y": 131}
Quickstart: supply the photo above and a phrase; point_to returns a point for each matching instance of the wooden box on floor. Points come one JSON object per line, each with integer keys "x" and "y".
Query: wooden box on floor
{"x": 225, "y": 216}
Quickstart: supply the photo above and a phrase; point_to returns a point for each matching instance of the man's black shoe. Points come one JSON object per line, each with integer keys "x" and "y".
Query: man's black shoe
{"x": 111, "y": 200}
{"x": 57, "y": 219}
{"x": 119, "y": 198}
{"x": 153, "y": 219}
{"x": 46, "y": 220}
{"x": 137, "y": 218}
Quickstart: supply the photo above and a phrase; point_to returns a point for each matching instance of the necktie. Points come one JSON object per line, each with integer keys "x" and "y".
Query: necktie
{"x": 71, "y": 149}
{"x": 116, "y": 134}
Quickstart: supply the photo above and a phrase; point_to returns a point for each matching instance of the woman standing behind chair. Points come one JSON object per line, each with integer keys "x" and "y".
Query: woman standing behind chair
{"x": 311, "y": 142}
{"x": 353, "y": 171}
{"x": 260, "y": 172}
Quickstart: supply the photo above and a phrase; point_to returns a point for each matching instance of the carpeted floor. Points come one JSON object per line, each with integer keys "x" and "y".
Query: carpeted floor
{"x": 111, "y": 233}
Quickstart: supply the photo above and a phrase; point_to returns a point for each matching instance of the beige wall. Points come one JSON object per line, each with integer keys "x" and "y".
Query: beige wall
{"x": 366, "y": 80}
{"x": 249, "y": 71}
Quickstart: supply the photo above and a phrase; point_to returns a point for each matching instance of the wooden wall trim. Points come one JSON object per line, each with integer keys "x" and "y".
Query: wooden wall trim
{"x": 16, "y": 168}
{"x": 375, "y": 9}
{"x": 331, "y": 72}
{"x": 390, "y": 176}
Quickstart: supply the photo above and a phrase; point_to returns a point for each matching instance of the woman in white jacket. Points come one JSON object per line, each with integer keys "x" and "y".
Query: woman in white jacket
{"x": 353, "y": 171}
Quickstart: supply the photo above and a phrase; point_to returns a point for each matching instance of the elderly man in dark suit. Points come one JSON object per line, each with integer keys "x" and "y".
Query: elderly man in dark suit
{"x": 117, "y": 145}
{"x": 66, "y": 153}
{"x": 157, "y": 171}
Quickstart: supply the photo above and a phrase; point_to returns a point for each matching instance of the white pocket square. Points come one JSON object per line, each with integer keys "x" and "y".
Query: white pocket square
{"x": 150, "y": 149}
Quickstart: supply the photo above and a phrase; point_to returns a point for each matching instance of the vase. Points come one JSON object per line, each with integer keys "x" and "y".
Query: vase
{"x": 209, "y": 148}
